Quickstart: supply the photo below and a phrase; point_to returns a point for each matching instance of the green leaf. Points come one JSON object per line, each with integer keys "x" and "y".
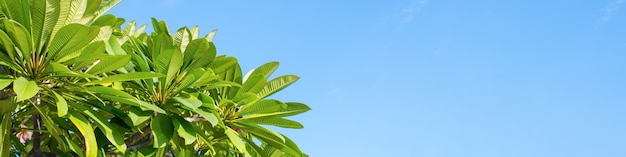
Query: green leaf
{"x": 91, "y": 146}
{"x": 162, "y": 129}
{"x": 266, "y": 70}
{"x": 272, "y": 138}
{"x": 209, "y": 115}
{"x": 254, "y": 84}
{"x": 71, "y": 38}
{"x": 184, "y": 129}
{"x": 74, "y": 147}
{"x": 24, "y": 89}
{"x": 138, "y": 116}
{"x": 275, "y": 121}
{"x": 263, "y": 106}
{"x": 293, "y": 108}
{"x": 52, "y": 127}
{"x": 113, "y": 135}
{"x": 61, "y": 70}
{"x": 193, "y": 104}
{"x": 236, "y": 140}
{"x": 221, "y": 64}
{"x": 7, "y": 105}
{"x": 5, "y": 82}
{"x": 20, "y": 37}
{"x": 127, "y": 77}
{"x": 61, "y": 104}
{"x": 169, "y": 62}
{"x": 277, "y": 84}
{"x": 109, "y": 63}
{"x": 44, "y": 15}
{"x": 5, "y": 134}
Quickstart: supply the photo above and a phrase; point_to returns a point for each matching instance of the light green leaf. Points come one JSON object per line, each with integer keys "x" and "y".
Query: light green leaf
{"x": 61, "y": 70}
{"x": 24, "y": 89}
{"x": 138, "y": 116}
{"x": 71, "y": 38}
{"x": 162, "y": 129}
{"x": 236, "y": 140}
{"x": 61, "y": 104}
{"x": 263, "y": 106}
{"x": 20, "y": 36}
{"x": 253, "y": 84}
{"x": 275, "y": 121}
{"x": 293, "y": 108}
{"x": 266, "y": 70}
{"x": 221, "y": 64}
{"x": 5, "y": 82}
{"x": 193, "y": 104}
{"x": 277, "y": 84}
{"x": 127, "y": 77}
{"x": 109, "y": 63}
{"x": 272, "y": 138}
{"x": 44, "y": 15}
{"x": 114, "y": 136}
{"x": 91, "y": 146}
{"x": 74, "y": 147}
{"x": 169, "y": 62}
{"x": 184, "y": 129}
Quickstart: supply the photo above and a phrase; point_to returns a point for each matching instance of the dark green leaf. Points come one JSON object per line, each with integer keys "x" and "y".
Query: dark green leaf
{"x": 162, "y": 129}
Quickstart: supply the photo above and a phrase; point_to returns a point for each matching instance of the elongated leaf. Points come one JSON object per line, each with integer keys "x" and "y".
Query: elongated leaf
{"x": 274, "y": 139}
{"x": 53, "y": 127}
{"x": 220, "y": 64}
{"x": 293, "y": 108}
{"x": 61, "y": 70}
{"x": 44, "y": 15}
{"x": 5, "y": 134}
{"x": 193, "y": 104}
{"x": 138, "y": 116}
{"x": 254, "y": 84}
{"x": 24, "y": 89}
{"x": 20, "y": 36}
{"x": 275, "y": 121}
{"x": 61, "y": 104}
{"x": 16, "y": 10}
{"x": 209, "y": 115}
{"x": 162, "y": 129}
{"x": 263, "y": 106}
{"x": 169, "y": 62}
{"x": 114, "y": 136}
{"x": 127, "y": 77}
{"x": 5, "y": 82}
{"x": 109, "y": 63}
{"x": 276, "y": 85}
{"x": 259, "y": 151}
{"x": 236, "y": 140}
{"x": 7, "y": 46}
{"x": 182, "y": 38}
{"x": 184, "y": 129}
{"x": 266, "y": 69}
{"x": 69, "y": 39}
{"x": 74, "y": 147}
{"x": 91, "y": 146}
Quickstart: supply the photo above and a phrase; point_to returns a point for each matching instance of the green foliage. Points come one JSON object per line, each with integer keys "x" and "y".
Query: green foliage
{"x": 85, "y": 86}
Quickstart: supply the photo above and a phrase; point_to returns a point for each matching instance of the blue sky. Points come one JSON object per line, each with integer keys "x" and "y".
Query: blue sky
{"x": 432, "y": 78}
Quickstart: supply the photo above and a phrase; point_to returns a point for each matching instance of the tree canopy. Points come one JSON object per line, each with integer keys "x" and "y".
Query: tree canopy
{"x": 76, "y": 83}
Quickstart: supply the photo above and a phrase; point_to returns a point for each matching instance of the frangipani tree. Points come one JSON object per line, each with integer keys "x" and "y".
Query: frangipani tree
{"x": 85, "y": 87}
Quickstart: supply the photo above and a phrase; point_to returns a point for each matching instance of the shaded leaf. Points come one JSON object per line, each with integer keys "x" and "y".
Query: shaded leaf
{"x": 162, "y": 129}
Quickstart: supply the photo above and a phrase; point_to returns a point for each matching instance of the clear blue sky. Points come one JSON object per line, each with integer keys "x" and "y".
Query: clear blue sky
{"x": 432, "y": 78}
